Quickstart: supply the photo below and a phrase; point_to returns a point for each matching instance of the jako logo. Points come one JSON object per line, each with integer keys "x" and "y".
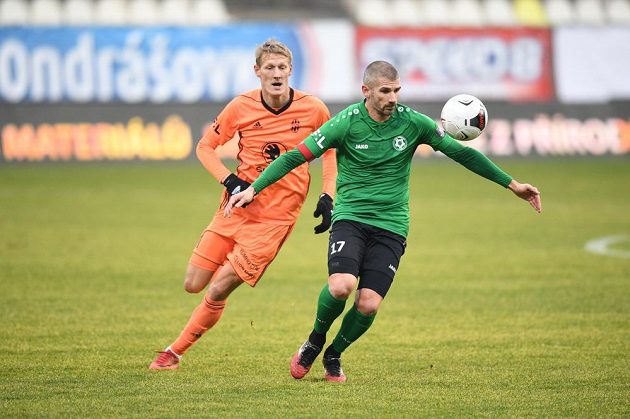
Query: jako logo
{"x": 361, "y": 146}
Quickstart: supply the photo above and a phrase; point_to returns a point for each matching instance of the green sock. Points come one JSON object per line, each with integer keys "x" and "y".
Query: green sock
{"x": 353, "y": 326}
{"x": 328, "y": 309}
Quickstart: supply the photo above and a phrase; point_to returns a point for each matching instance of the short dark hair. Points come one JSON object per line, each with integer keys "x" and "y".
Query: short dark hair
{"x": 377, "y": 69}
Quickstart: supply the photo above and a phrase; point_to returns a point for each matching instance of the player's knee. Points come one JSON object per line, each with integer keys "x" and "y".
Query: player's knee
{"x": 192, "y": 287}
{"x": 341, "y": 285}
{"x": 368, "y": 301}
{"x": 196, "y": 279}
{"x": 367, "y": 308}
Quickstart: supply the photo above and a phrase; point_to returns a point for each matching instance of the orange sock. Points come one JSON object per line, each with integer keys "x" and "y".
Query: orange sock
{"x": 206, "y": 315}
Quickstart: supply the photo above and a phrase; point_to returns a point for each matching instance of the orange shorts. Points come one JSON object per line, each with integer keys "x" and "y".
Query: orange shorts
{"x": 250, "y": 246}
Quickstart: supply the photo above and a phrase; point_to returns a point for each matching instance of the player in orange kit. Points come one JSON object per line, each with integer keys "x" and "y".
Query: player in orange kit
{"x": 269, "y": 121}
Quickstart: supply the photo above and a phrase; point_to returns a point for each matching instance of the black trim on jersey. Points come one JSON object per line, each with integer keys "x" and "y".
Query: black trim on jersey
{"x": 282, "y": 109}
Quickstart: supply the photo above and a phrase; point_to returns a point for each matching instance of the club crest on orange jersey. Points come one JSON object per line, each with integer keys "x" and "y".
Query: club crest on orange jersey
{"x": 272, "y": 151}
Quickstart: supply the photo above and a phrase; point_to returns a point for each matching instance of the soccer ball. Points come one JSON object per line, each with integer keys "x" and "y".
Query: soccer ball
{"x": 464, "y": 117}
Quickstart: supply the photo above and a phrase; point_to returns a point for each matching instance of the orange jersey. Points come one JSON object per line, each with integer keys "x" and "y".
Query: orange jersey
{"x": 265, "y": 133}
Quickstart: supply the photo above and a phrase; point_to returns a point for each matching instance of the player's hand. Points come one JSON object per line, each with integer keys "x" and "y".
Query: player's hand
{"x": 238, "y": 201}
{"x": 234, "y": 184}
{"x": 527, "y": 192}
{"x": 324, "y": 208}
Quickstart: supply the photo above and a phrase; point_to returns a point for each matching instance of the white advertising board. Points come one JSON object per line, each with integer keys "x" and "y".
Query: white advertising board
{"x": 592, "y": 65}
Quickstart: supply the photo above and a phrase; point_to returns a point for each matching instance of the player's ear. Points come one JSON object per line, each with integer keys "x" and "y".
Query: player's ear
{"x": 257, "y": 70}
{"x": 365, "y": 90}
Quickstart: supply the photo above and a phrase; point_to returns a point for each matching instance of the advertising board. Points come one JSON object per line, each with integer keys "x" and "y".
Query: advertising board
{"x": 103, "y": 132}
{"x": 435, "y": 63}
{"x": 165, "y": 64}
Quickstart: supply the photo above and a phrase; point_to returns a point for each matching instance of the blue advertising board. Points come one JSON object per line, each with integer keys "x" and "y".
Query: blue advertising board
{"x": 136, "y": 65}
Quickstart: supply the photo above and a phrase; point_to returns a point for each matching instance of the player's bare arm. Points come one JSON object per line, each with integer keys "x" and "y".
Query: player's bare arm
{"x": 527, "y": 192}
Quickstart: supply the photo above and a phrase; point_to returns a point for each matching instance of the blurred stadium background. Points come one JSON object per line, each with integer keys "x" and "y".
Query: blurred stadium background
{"x": 497, "y": 311}
{"x": 140, "y": 79}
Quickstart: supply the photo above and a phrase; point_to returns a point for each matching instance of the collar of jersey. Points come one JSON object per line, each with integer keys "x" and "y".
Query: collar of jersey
{"x": 366, "y": 115}
{"x": 282, "y": 109}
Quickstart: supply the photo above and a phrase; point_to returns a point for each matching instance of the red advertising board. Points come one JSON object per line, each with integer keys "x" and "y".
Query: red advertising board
{"x": 436, "y": 63}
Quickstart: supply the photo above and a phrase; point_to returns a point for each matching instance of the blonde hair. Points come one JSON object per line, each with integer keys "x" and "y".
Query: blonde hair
{"x": 272, "y": 46}
{"x": 377, "y": 69}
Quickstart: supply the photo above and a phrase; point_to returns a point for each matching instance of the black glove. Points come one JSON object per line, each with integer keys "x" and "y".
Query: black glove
{"x": 325, "y": 209}
{"x": 233, "y": 184}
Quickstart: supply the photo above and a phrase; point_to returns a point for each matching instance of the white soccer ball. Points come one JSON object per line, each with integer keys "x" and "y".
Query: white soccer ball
{"x": 464, "y": 117}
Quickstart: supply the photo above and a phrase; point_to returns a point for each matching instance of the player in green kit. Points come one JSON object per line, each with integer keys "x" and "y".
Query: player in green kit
{"x": 375, "y": 141}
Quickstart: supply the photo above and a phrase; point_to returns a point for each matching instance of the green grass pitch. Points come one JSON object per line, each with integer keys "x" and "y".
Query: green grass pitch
{"x": 495, "y": 310}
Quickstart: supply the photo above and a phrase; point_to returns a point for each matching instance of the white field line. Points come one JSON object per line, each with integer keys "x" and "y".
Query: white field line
{"x": 602, "y": 245}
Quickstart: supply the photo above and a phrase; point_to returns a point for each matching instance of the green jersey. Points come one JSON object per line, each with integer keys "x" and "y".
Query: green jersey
{"x": 374, "y": 161}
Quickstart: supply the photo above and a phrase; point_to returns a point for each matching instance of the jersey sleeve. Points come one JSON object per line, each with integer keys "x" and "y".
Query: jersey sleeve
{"x": 278, "y": 169}
{"x": 326, "y": 137}
{"x": 323, "y": 113}
{"x": 292, "y": 159}
{"x": 312, "y": 147}
{"x": 329, "y": 172}
{"x": 220, "y": 132}
{"x": 329, "y": 157}
{"x": 468, "y": 157}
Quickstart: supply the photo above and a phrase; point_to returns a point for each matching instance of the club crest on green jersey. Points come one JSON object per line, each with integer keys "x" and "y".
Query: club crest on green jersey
{"x": 400, "y": 143}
